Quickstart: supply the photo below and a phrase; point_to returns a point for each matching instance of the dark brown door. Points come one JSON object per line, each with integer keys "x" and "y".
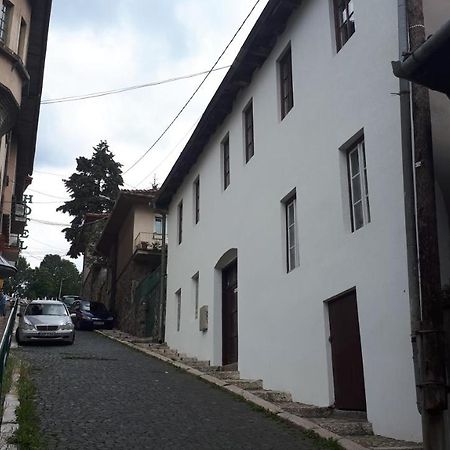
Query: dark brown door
{"x": 229, "y": 315}
{"x": 348, "y": 374}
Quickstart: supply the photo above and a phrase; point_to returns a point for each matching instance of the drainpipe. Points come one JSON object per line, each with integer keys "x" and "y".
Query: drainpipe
{"x": 410, "y": 200}
{"x": 162, "y": 285}
{"x": 422, "y": 242}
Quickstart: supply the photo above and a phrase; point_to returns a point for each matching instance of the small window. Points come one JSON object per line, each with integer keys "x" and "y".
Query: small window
{"x": 197, "y": 200}
{"x": 226, "y": 162}
{"x": 178, "y": 303}
{"x": 248, "y": 132}
{"x": 22, "y": 39}
{"x": 180, "y": 222}
{"x": 158, "y": 225}
{"x": 5, "y": 20}
{"x": 290, "y": 206}
{"x": 195, "y": 280}
{"x": 358, "y": 186}
{"x": 344, "y": 17}
{"x": 286, "y": 88}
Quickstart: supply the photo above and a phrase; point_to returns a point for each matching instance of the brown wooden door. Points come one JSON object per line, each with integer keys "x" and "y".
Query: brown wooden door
{"x": 348, "y": 374}
{"x": 229, "y": 315}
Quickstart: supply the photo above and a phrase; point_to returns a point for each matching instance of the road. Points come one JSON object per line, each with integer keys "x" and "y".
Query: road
{"x": 99, "y": 394}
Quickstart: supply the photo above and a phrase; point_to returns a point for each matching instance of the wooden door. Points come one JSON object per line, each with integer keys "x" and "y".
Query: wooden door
{"x": 348, "y": 373}
{"x": 229, "y": 315}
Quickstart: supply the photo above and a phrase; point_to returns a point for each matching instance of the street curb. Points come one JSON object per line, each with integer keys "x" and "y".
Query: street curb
{"x": 9, "y": 419}
{"x": 299, "y": 422}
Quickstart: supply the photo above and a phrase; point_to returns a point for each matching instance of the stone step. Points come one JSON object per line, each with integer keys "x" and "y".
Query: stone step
{"x": 247, "y": 384}
{"x": 223, "y": 375}
{"x": 273, "y": 396}
{"x": 200, "y": 364}
{"x": 303, "y": 410}
{"x": 187, "y": 360}
{"x": 136, "y": 340}
{"x": 383, "y": 443}
{"x": 346, "y": 427}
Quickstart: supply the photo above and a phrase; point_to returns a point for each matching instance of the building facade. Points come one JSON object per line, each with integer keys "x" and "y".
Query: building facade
{"x": 286, "y": 213}
{"x": 23, "y": 41}
{"x": 130, "y": 245}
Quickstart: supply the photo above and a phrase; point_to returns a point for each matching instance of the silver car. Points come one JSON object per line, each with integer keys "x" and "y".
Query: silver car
{"x": 45, "y": 320}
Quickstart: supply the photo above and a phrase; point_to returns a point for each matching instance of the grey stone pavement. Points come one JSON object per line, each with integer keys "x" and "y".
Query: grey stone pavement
{"x": 99, "y": 394}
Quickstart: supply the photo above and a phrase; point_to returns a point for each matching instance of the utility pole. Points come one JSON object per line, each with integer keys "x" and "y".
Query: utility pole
{"x": 430, "y": 334}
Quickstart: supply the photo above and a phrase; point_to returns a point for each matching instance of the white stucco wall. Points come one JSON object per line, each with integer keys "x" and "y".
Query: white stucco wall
{"x": 283, "y": 328}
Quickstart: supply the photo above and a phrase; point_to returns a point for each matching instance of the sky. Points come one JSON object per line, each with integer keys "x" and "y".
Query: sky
{"x": 101, "y": 45}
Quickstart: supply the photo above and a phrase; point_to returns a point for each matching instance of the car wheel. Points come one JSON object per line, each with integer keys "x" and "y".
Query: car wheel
{"x": 72, "y": 340}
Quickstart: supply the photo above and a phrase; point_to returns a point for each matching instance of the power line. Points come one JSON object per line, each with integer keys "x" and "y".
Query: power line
{"x": 47, "y": 222}
{"x": 168, "y": 155}
{"x": 75, "y": 98}
{"x": 49, "y": 195}
{"x": 44, "y": 243}
{"x": 194, "y": 93}
{"x": 49, "y": 173}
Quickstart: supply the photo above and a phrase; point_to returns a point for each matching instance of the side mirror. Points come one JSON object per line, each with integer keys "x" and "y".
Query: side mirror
{"x": 73, "y": 315}
{"x": 19, "y": 315}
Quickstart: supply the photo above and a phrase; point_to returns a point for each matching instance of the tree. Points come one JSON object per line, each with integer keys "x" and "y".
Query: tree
{"x": 93, "y": 188}
{"x": 19, "y": 283}
{"x": 52, "y": 275}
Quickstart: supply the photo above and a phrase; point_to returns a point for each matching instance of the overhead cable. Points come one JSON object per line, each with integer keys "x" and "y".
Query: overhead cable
{"x": 75, "y": 98}
{"x": 194, "y": 93}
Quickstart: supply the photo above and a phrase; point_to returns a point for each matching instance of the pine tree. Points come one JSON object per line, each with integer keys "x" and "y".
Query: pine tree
{"x": 93, "y": 188}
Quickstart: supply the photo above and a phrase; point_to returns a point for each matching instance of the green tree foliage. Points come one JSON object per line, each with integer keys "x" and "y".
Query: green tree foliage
{"x": 46, "y": 280}
{"x": 93, "y": 188}
{"x": 19, "y": 284}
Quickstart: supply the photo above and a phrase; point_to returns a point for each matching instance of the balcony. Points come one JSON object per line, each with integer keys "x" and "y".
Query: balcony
{"x": 147, "y": 248}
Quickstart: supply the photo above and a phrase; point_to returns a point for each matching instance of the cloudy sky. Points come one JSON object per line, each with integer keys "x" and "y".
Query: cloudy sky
{"x": 102, "y": 45}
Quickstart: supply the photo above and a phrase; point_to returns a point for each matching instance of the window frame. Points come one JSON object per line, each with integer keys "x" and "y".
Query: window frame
{"x": 358, "y": 149}
{"x": 286, "y": 84}
{"x": 288, "y": 201}
{"x": 196, "y": 283}
{"x": 196, "y": 186}
{"x": 178, "y": 305}
{"x": 180, "y": 222}
{"x": 348, "y": 25}
{"x": 225, "y": 153}
{"x": 6, "y": 14}
{"x": 159, "y": 219}
{"x": 249, "y": 131}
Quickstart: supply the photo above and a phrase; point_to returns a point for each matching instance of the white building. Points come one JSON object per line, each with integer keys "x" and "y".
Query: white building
{"x": 291, "y": 190}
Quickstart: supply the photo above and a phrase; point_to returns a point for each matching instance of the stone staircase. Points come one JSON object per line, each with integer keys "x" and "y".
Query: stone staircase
{"x": 352, "y": 425}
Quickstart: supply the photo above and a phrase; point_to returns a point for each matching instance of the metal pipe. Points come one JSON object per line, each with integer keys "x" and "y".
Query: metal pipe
{"x": 410, "y": 200}
{"x": 162, "y": 292}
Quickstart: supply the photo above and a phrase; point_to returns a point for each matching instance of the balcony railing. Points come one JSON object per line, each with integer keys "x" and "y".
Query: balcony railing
{"x": 148, "y": 241}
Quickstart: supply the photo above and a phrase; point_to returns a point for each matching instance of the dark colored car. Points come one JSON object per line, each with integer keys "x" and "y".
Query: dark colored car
{"x": 90, "y": 315}
{"x": 68, "y": 300}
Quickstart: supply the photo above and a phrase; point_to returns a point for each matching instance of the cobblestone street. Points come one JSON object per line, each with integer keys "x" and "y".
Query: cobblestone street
{"x": 99, "y": 394}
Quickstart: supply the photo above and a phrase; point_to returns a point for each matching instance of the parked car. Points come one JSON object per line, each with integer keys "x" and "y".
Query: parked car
{"x": 69, "y": 300}
{"x": 45, "y": 320}
{"x": 90, "y": 315}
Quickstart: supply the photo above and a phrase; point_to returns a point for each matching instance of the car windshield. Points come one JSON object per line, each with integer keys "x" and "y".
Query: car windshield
{"x": 70, "y": 300}
{"x": 41, "y": 309}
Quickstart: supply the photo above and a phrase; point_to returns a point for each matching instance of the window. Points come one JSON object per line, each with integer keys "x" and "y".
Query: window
{"x": 290, "y": 205}
{"x": 178, "y": 303}
{"x": 286, "y": 88}
{"x": 158, "y": 225}
{"x": 180, "y": 222}
{"x": 5, "y": 20}
{"x": 358, "y": 186}
{"x": 344, "y": 17}
{"x": 226, "y": 162}
{"x": 22, "y": 37}
{"x": 248, "y": 132}
{"x": 197, "y": 200}
{"x": 195, "y": 280}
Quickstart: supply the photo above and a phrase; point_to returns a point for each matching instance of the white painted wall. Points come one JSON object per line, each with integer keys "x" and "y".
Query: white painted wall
{"x": 283, "y": 329}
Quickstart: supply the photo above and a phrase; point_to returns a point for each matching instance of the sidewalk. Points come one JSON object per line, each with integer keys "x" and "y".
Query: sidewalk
{"x": 350, "y": 429}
